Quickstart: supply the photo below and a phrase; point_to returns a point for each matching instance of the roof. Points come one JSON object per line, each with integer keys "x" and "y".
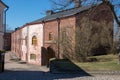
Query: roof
{"x": 9, "y": 31}
{"x": 62, "y": 14}
{"x": 3, "y": 3}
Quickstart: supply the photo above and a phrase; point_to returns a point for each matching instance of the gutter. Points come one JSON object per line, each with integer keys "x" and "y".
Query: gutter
{"x": 27, "y": 54}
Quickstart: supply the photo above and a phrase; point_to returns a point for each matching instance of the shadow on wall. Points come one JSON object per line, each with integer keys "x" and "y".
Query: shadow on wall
{"x": 59, "y": 65}
{"x": 46, "y": 55}
{"x": 100, "y": 50}
{"x": 35, "y": 75}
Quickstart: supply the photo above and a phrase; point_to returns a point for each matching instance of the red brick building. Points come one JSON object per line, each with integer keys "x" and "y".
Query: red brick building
{"x": 70, "y": 19}
{"x": 55, "y": 23}
{"x": 7, "y": 38}
{"x": 16, "y": 42}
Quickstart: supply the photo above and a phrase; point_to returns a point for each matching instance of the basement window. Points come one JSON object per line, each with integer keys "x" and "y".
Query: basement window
{"x": 32, "y": 56}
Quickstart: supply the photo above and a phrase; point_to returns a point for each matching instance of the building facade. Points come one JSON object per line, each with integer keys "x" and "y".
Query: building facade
{"x": 34, "y": 43}
{"x": 42, "y": 38}
{"x": 16, "y": 42}
{"x": 24, "y": 32}
{"x": 3, "y": 9}
{"x": 27, "y": 42}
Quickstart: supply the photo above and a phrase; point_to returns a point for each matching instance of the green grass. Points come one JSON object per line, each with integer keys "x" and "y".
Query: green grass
{"x": 105, "y": 62}
{"x": 105, "y": 58}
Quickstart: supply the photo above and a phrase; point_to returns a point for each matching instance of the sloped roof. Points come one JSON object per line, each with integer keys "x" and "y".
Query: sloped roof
{"x": 9, "y": 31}
{"x": 62, "y": 14}
{"x": 3, "y": 3}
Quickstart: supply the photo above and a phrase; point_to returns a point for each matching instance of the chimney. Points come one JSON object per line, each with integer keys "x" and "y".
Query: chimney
{"x": 49, "y": 12}
{"x": 77, "y": 3}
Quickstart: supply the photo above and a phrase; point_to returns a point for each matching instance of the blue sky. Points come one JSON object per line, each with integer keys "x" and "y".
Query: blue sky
{"x": 24, "y": 11}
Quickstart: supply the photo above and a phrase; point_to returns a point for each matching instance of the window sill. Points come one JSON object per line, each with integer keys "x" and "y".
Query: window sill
{"x": 50, "y": 42}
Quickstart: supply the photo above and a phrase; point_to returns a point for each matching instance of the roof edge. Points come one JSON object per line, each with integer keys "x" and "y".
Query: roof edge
{"x": 4, "y": 4}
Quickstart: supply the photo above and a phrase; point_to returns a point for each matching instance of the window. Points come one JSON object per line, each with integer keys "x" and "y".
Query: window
{"x": 50, "y": 36}
{"x": 32, "y": 56}
{"x": 34, "y": 40}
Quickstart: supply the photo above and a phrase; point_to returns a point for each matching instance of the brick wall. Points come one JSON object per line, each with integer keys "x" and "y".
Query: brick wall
{"x": 52, "y": 26}
{"x": 7, "y": 41}
{"x": 16, "y": 43}
{"x": 98, "y": 15}
{"x": 50, "y": 47}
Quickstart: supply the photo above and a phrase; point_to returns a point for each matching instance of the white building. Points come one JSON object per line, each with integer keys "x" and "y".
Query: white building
{"x": 27, "y": 42}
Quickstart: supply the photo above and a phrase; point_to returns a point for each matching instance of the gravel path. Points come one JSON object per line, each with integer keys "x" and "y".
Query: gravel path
{"x": 17, "y": 71}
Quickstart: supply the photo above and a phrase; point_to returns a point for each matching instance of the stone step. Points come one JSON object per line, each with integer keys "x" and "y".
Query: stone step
{"x": 14, "y": 57}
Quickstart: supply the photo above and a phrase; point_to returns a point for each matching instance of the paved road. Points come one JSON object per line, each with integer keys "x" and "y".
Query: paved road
{"x": 17, "y": 71}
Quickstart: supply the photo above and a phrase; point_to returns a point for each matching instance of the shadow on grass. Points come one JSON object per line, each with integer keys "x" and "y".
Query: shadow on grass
{"x": 66, "y": 66}
{"x": 35, "y": 75}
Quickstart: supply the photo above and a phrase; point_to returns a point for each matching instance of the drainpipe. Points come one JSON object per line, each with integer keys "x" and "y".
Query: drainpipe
{"x": 4, "y": 33}
{"x": 43, "y": 23}
{"x": 27, "y": 54}
{"x": 58, "y": 20}
{"x": 5, "y": 24}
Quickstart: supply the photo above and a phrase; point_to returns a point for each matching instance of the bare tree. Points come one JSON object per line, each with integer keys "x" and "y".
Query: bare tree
{"x": 113, "y": 5}
{"x": 86, "y": 40}
{"x": 67, "y": 44}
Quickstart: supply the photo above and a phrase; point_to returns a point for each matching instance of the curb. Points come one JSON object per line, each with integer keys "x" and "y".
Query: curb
{"x": 88, "y": 72}
{"x": 104, "y": 72}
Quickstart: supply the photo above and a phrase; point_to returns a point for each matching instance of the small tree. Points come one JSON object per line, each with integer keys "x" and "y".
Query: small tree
{"x": 67, "y": 44}
{"x": 85, "y": 39}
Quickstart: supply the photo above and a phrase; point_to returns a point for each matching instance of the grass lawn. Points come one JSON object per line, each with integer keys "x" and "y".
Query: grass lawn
{"x": 105, "y": 62}
{"x": 102, "y": 63}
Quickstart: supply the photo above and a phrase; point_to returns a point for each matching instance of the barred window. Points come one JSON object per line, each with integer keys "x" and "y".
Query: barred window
{"x": 32, "y": 56}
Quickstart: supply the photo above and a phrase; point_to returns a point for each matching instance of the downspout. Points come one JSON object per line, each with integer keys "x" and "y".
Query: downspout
{"x": 43, "y": 44}
{"x": 43, "y": 23}
{"x": 58, "y": 20}
{"x": 27, "y": 54}
{"x": 5, "y": 25}
{"x": 4, "y": 32}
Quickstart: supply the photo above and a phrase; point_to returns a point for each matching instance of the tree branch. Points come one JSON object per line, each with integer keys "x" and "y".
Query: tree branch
{"x": 113, "y": 11}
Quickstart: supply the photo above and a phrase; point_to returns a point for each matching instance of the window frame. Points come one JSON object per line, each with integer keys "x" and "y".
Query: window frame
{"x": 34, "y": 40}
{"x": 50, "y": 36}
